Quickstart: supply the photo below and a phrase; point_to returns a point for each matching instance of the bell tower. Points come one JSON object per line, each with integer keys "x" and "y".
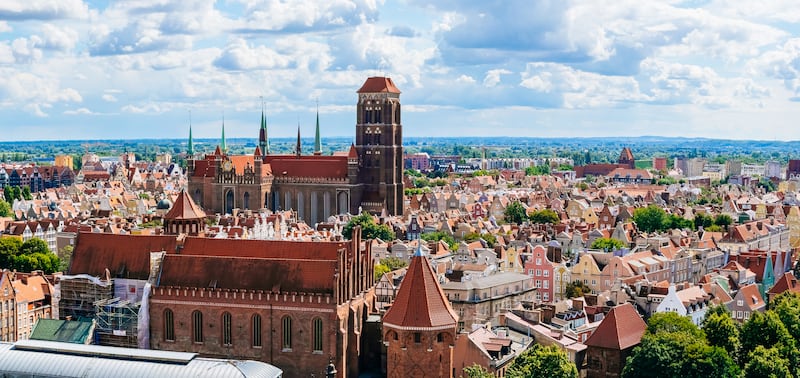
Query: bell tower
{"x": 379, "y": 143}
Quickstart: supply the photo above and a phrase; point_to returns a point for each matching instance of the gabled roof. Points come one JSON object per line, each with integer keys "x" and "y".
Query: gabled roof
{"x": 621, "y": 329}
{"x": 420, "y": 303}
{"x": 378, "y": 84}
{"x": 184, "y": 208}
{"x": 125, "y": 256}
{"x": 787, "y": 282}
{"x": 275, "y": 275}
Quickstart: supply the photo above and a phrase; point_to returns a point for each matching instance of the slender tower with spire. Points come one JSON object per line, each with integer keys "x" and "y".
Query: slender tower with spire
{"x": 223, "y": 145}
{"x": 263, "y": 140}
{"x": 298, "y": 147}
{"x": 317, "y": 141}
{"x": 190, "y": 147}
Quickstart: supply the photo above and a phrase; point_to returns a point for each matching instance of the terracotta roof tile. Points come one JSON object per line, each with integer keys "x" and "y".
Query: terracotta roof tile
{"x": 184, "y": 208}
{"x": 420, "y": 302}
{"x": 309, "y": 166}
{"x": 276, "y": 275}
{"x": 378, "y": 84}
{"x": 263, "y": 248}
{"x": 125, "y": 256}
{"x": 621, "y": 329}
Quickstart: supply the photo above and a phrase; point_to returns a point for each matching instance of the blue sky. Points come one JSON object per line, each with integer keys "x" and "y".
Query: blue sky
{"x": 75, "y": 69}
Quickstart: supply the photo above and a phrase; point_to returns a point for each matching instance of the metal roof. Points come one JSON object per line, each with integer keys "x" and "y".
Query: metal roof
{"x": 55, "y": 359}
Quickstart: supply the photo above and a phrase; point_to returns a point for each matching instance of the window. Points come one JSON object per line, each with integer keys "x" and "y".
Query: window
{"x": 740, "y": 303}
{"x": 197, "y": 326}
{"x": 546, "y": 297}
{"x": 538, "y": 272}
{"x": 417, "y": 337}
{"x": 546, "y": 284}
{"x": 169, "y": 325}
{"x": 256, "y": 330}
{"x": 226, "y": 329}
{"x": 317, "y": 335}
{"x": 287, "y": 332}
{"x": 546, "y": 273}
{"x": 739, "y": 315}
{"x": 538, "y": 261}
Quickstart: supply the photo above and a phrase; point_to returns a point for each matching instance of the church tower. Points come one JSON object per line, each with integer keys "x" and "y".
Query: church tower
{"x": 379, "y": 142}
{"x": 419, "y": 329}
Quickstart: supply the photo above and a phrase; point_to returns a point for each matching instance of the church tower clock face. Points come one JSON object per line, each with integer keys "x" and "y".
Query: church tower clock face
{"x": 227, "y": 166}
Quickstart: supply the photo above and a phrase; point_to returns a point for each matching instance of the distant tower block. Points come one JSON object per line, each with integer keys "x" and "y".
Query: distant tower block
{"x": 626, "y": 158}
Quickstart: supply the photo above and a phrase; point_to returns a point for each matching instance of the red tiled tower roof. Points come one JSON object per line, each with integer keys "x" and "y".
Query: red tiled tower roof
{"x": 378, "y": 84}
{"x": 420, "y": 303}
{"x": 621, "y": 329}
{"x": 184, "y": 208}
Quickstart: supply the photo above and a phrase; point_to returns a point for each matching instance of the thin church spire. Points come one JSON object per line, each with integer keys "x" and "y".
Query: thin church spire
{"x": 298, "y": 148}
{"x": 317, "y": 141}
{"x": 223, "y": 145}
{"x": 190, "y": 147}
{"x": 263, "y": 137}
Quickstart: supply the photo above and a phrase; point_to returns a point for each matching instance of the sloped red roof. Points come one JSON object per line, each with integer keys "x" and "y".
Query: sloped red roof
{"x": 125, "y": 256}
{"x": 787, "y": 282}
{"x": 277, "y": 249}
{"x": 276, "y": 275}
{"x": 184, "y": 208}
{"x": 309, "y": 166}
{"x": 378, "y": 84}
{"x": 621, "y": 329}
{"x": 420, "y": 302}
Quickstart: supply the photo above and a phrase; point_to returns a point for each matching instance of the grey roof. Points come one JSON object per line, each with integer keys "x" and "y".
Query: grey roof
{"x": 485, "y": 282}
{"x": 55, "y": 359}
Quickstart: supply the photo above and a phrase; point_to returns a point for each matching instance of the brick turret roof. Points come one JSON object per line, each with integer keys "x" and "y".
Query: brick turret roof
{"x": 185, "y": 208}
{"x": 378, "y": 84}
{"x": 420, "y": 303}
{"x": 621, "y": 329}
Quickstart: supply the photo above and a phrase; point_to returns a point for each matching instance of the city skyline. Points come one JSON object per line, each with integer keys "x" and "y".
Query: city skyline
{"x": 76, "y": 69}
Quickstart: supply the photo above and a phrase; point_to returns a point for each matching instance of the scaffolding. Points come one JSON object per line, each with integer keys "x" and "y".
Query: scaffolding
{"x": 77, "y": 295}
{"x": 117, "y": 322}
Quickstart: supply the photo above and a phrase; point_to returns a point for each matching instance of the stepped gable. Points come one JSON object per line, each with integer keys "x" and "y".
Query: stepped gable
{"x": 274, "y": 275}
{"x": 622, "y": 328}
{"x": 276, "y": 249}
{"x": 184, "y": 208}
{"x": 378, "y": 84}
{"x": 125, "y": 256}
{"x": 420, "y": 303}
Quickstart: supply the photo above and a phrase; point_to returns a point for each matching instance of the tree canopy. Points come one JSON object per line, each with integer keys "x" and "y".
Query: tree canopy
{"x": 5, "y": 209}
{"x": 515, "y": 213}
{"x": 28, "y": 256}
{"x": 576, "y": 289}
{"x": 543, "y": 361}
{"x": 369, "y": 229}
{"x": 544, "y": 216}
{"x": 608, "y": 244}
{"x": 650, "y": 218}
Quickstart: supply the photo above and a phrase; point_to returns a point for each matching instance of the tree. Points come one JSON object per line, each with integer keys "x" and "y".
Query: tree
{"x": 787, "y": 307}
{"x": 34, "y": 245}
{"x": 538, "y": 170}
{"x": 765, "y": 362}
{"x": 9, "y": 248}
{"x": 766, "y": 329}
{"x": 541, "y": 361}
{"x": 674, "y": 221}
{"x": 544, "y": 216}
{"x": 650, "y": 218}
{"x": 672, "y": 322}
{"x": 477, "y": 371}
{"x": 380, "y": 270}
{"x": 5, "y": 209}
{"x": 441, "y": 236}
{"x": 66, "y": 257}
{"x": 702, "y": 220}
{"x": 607, "y": 244}
{"x": 394, "y": 263}
{"x": 721, "y": 330}
{"x": 576, "y": 289}
{"x": 515, "y": 213}
{"x": 369, "y": 229}
{"x": 488, "y": 238}
{"x": 26, "y": 193}
{"x": 723, "y": 220}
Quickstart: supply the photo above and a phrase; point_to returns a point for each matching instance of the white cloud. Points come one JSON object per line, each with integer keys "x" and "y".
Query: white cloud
{"x": 4, "y": 27}
{"x": 238, "y": 55}
{"x": 79, "y": 111}
{"x": 108, "y": 97}
{"x": 20, "y": 10}
{"x": 493, "y": 77}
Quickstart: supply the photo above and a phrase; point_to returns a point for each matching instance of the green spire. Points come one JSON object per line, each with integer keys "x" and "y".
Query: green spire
{"x": 190, "y": 148}
{"x": 298, "y": 148}
{"x": 263, "y": 140}
{"x": 223, "y": 146}
{"x": 317, "y": 142}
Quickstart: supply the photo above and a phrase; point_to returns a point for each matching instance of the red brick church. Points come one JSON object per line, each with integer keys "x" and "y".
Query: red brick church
{"x": 367, "y": 177}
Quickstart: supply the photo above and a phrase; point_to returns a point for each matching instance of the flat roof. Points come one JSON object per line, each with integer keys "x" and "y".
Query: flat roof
{"x": 56, "y": 359}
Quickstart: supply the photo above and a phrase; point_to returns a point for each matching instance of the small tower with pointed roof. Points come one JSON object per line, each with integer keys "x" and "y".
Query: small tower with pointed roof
{"x": 419, "y": 329}
{"x": 223, "y": 146}
{"x": 185, "y": 217}
{"x": 190, "y": 147}
{"x": 298, "y": 149}
{"x": 263, "y": 139}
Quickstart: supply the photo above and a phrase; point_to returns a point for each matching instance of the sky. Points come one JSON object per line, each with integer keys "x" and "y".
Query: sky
{"x": 75, "y": 69}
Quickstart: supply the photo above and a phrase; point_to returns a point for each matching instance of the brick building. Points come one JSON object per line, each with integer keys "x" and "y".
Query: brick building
{"x": 419, "y": 330}
{"x": 368, "y": 177}
{"x": 294, "y": 304}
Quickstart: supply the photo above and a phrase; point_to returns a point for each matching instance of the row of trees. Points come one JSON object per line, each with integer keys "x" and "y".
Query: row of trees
{"x": 11, "y": 193}
{"x": 369, "y": 229}
{"x": 515, "y": 213}
{"x": 653, "y": 218}
{"x": 537, "y": 361}
{"x": 28, "y": 256}
{"x": 764, "y": 346}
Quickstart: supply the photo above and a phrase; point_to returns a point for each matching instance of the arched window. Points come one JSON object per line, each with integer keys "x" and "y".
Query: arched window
{"x": 197, "y": 326}
{"x": 317, "y": 327}
{"x": 226, "y": 329}
{"x": 246, "y": 200}
{"x": 287, "y": 332}
{"x": 256, "y": 330}
{"x": 169, "y": 325}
